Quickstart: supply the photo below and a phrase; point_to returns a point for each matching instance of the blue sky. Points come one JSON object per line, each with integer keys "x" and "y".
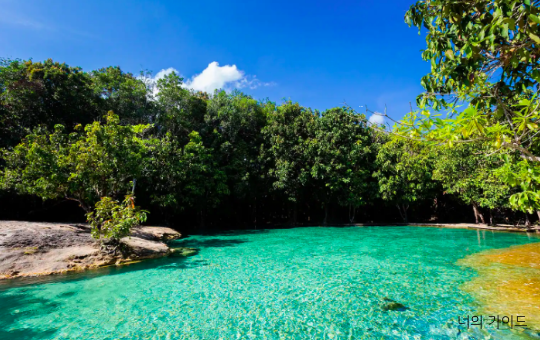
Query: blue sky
{"x": 318, "y": 53}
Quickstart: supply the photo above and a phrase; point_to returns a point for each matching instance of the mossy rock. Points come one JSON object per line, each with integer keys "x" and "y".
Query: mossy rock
{"x": 391, "y": 305}
{"x": 183, "y": 251}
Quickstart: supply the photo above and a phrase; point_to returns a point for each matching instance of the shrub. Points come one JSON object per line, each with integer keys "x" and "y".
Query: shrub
{"x": 113, "y": 220}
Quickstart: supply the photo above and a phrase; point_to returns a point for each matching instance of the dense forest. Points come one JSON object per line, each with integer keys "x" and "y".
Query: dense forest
{"x": 83, "y": 145}
{"x": 221, "y": 159}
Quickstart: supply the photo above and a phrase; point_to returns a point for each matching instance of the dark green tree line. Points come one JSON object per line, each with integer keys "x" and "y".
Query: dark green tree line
{"x": 223, "y": 159}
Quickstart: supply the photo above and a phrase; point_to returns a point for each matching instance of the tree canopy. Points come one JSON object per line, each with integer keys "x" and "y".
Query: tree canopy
{"x": 195, "y": 159}
{"x": 484, "y": 56}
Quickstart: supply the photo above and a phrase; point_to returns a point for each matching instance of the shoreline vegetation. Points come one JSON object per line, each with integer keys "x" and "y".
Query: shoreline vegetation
{"x": 43, "y": 248}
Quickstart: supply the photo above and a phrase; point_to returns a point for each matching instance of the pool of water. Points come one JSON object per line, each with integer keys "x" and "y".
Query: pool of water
{"x": 300, "y": 283}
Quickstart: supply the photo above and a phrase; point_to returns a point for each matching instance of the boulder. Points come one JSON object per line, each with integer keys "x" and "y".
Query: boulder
{"x": 156, "y": 233}
{"x": 144, "y": 249}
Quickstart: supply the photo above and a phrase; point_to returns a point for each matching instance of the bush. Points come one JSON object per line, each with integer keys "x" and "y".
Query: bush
{"x": 113, "y": 220}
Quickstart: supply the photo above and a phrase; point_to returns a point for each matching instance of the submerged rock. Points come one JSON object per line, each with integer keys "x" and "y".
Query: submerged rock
{"x": 183, "y": 251}
{"x": 389, "y": 304}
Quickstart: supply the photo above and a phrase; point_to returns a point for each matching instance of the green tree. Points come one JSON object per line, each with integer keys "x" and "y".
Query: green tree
{"x": 113, "y": 220}
{"x": 123, "y": 93}
{"x": 186, "y": 176}
{"x": 404, "y": 172}
{"x": 526, "y": 177}
{"x": 236, "y": 121}
{"x": 341, "y": 159}
{"x": 42, "y": 94}
{"x": 104, "y": 160}
{"x": 178, "y": 111}
{"x": 483, "y": 53}
{"x": 465, "y": 171}
{"x": 289, "y": 133}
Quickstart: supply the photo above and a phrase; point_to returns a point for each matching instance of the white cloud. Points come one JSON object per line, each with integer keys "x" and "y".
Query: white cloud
{"x": 225, "y": 77}
{"x": 213, "y": 77}
{"x": 376, "y": 119}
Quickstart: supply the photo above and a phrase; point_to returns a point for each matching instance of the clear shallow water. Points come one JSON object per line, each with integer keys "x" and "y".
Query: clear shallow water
{"x": 302, "y": 283}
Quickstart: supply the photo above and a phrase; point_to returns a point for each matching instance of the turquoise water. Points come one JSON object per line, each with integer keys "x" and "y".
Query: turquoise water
{"x": 302, "y": 283}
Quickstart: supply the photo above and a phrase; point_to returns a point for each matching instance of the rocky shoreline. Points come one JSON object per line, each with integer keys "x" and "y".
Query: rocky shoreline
{"x": 39, "y": 248}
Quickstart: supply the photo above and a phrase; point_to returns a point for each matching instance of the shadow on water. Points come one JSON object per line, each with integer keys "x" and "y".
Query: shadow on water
{"x": 167, "y": 262}
{"x": 234, "y": 232}
{"x": 19, "y": 306}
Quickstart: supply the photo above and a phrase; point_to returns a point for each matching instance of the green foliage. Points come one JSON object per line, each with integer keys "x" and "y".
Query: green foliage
{"x": 484, "y": 53}
{"x": 230, "y": 154}
{"x": 404, "y": 172}
{"x": 123, "y": 93}
{"x": 525, "y": 176}
{"x": 467, "y": 172}
{"x": 48, "y": 93}
{"x": 233, "y": 127}
{"x": 341, "y": 157}
{"x": 35, "y": 166}
{"x": 178, "y": 110}
{"x": 114, "y": 220}
{"x": 42, "y": 94}
{"x": 289, "y": 133}
{"x": 186, "y": 176}
{"x": 331, "y": 153}
{"x": 102, "y": 161}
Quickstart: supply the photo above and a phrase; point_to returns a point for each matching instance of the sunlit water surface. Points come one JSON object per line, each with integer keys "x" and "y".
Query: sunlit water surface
{"x": 302, "y": 283}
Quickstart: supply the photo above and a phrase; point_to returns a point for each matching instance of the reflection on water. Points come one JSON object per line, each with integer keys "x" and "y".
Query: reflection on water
{"x": 508, "y": 282}
{"x": 301, "y": 283}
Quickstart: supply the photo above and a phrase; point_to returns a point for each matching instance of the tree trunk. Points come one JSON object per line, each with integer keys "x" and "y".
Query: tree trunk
{"x": 490, "y": 217}
{"x": 477, "y": 213}
{"x": 538, "y": 213}
{"x": 481, "y": 217}
{"x": 406, "y": 216}
{"x": 527, "y": 221}
{"x": 84, "y": 207}
{"x": 435, "y": 216}
{"x": 399, "y": 209}
{"x": 403, "y": 212}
